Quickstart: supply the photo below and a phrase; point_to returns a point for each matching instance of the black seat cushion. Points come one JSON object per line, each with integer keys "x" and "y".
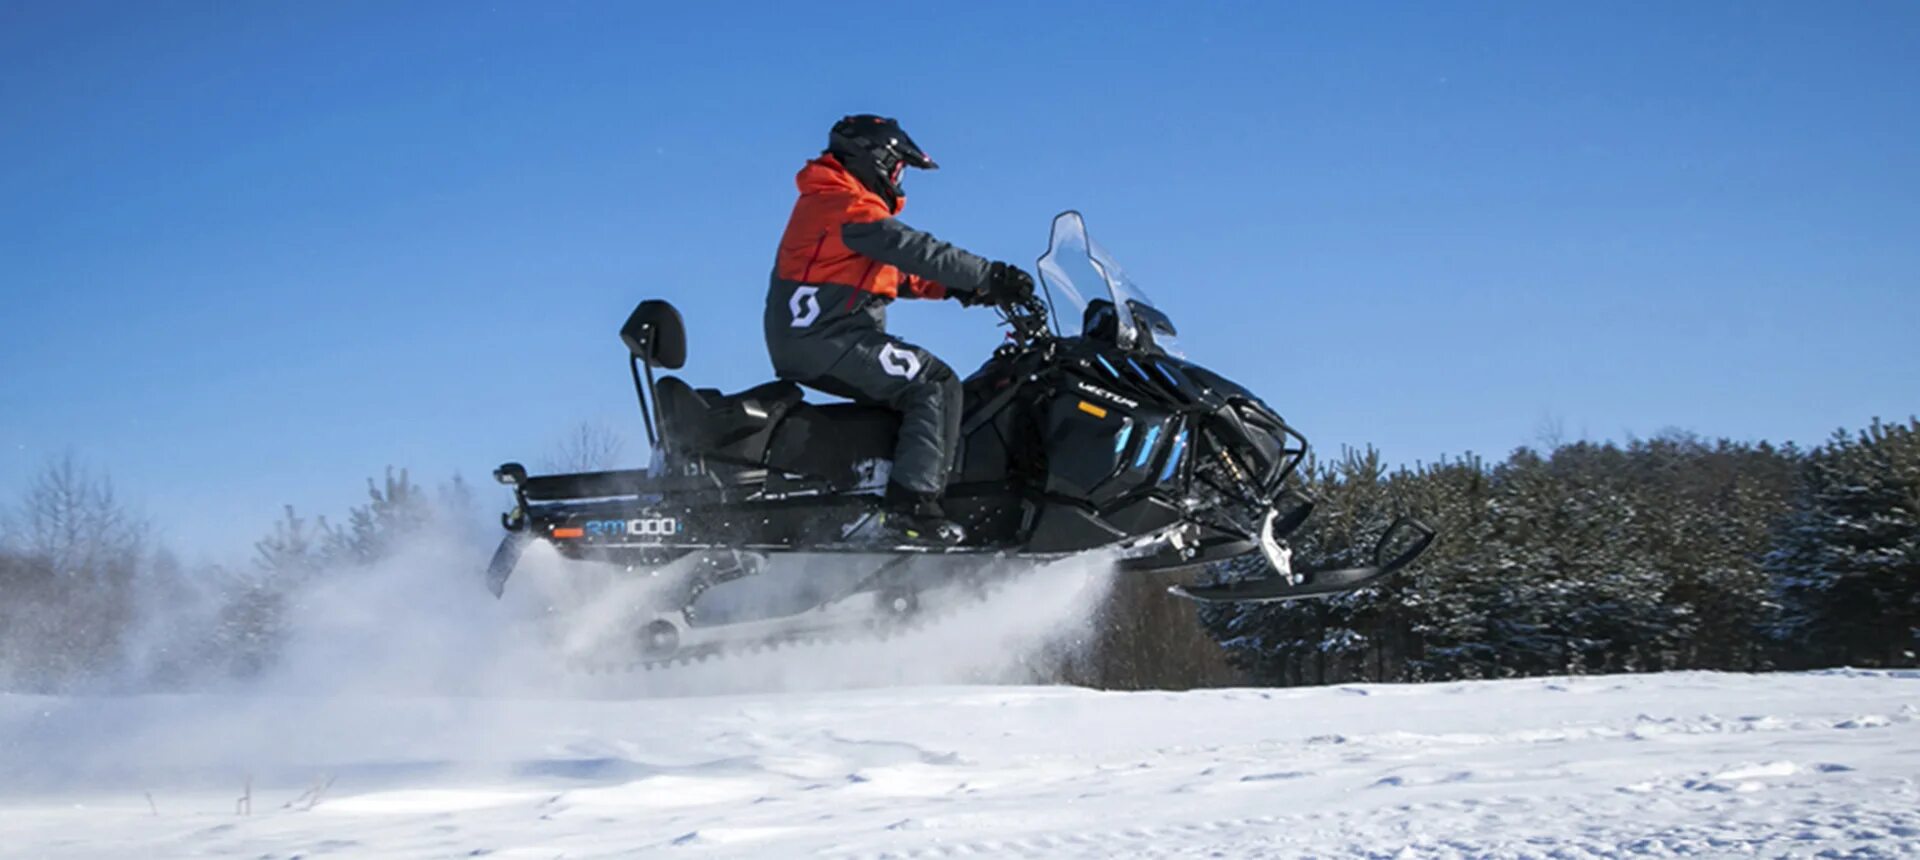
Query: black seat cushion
{"x": 763, "y": 396}
{"x": 733, "y": 427}
{"x": 733, "y": 417}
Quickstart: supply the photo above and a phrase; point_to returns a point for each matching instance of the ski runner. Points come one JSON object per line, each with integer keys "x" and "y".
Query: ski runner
{"x": 843, "y": 259}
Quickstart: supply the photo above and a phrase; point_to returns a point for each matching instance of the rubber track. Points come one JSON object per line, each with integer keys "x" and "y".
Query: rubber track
{"x": 873, "y": 630}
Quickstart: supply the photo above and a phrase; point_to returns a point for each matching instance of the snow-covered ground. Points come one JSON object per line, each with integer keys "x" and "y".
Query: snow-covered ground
{"x": 1696, "y": 763}
{"x": 412, "y": 715}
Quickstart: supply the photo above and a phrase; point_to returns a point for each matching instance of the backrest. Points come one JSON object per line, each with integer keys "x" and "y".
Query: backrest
{"x": 655, "y": 334}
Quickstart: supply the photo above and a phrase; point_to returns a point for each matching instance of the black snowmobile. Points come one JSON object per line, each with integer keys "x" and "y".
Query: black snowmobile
{"x": 1097, "y": 439}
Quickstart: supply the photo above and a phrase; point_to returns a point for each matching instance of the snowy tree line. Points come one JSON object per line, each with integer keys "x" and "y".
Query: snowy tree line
{"x": 73, "y": 562}
{"x": 1669, "y": 553}
{"x": 88, "y": 600}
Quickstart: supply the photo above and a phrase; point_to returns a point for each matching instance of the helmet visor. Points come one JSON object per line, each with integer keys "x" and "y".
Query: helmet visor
{"x": 910, "y": 152}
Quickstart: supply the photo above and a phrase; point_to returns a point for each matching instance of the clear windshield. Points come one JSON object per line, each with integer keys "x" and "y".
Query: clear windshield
{"x": 1079, "y": 274}
{"x": 1066, "y": 270}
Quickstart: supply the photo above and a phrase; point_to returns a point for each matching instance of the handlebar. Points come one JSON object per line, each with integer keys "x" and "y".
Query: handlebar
{"x": 1027, "y": 318}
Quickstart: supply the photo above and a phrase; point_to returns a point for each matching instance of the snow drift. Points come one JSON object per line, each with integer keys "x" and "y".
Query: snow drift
{"x": 1656, "y": 765}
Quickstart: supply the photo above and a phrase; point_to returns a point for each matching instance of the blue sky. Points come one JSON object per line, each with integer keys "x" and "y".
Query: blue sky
{"x": 253, "y": 253}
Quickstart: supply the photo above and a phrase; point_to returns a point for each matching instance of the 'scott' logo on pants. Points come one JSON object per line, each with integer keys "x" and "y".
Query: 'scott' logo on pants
{"x": 899, "y": 362}
{"x": 805, "y": 305}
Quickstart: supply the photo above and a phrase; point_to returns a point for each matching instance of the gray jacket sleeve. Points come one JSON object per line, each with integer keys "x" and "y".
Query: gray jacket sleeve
{"x": 916, "y": 253}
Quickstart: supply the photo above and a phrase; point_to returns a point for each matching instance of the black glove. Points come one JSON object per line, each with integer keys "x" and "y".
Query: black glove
{"x": 1006, "y": 284}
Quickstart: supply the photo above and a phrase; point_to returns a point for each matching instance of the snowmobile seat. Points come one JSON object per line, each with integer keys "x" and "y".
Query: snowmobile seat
{"x": 729, "y": 427}
{"x": 840, "y": 442}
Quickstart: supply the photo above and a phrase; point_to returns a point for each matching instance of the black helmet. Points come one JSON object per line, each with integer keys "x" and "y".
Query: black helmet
{"x": 875, "y": 150}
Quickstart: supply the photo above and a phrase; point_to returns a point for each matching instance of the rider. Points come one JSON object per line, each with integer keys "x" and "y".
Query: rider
{"x": 843, "y": 258}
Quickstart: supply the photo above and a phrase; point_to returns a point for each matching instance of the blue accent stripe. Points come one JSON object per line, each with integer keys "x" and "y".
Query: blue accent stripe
{"x": 1166, "y": 373}
{"x": 1103, "y": 363}
{"x": 1173, "y": 460}
{"x": 1146, "y": 446}
{"x": 1120, "y": 439}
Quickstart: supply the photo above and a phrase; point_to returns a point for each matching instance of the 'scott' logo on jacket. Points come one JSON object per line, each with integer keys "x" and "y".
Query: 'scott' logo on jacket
{"x": 805, "y": 305}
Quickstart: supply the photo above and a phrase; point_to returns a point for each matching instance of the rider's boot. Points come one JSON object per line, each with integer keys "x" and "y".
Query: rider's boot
{"x": 918, "y": 518}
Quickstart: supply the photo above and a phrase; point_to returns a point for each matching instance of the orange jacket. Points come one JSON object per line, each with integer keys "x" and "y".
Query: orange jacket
{"x": 834, "y": 209}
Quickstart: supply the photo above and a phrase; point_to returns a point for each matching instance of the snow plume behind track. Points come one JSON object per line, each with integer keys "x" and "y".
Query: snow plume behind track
{"x": 1031, "y": 620}
{"x": 421, "y": 622}
{"x": 421, "y": 626}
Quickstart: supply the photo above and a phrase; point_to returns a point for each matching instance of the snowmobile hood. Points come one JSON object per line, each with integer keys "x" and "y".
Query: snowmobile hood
{"x": 825, "y": 175}
{"x": 1220, "y": 385}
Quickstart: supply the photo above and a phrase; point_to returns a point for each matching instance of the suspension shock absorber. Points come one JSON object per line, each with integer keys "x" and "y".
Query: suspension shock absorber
{"x": 1234, "y": 470}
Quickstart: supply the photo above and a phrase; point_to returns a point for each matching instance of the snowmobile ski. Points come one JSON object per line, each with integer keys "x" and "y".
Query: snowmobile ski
{"x": 1411, "y": 535}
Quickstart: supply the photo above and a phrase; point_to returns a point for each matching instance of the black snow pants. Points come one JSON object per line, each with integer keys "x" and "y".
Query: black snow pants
{"x": 834, "y": 339}
{"x": 883, "y": 370}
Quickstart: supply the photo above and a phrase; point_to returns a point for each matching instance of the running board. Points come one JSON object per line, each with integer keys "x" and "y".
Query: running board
{"x": 1416, "y": 537}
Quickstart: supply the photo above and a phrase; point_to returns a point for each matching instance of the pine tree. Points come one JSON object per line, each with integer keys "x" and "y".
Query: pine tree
{"x": 1848, "y": 565}
{"x": 397, "y": 508}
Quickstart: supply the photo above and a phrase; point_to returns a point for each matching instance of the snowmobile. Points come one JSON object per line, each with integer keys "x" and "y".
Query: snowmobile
{"x": 1087, "y": 430}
